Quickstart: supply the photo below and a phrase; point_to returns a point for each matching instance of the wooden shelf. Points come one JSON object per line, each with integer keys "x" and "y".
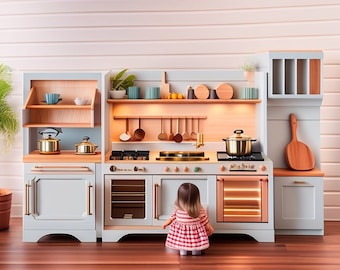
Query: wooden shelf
{"x": 287, "y": 172}
{"x": 64, "y": 156}
{"x": 37, "y": 113}
{"x": 183, "y": 101}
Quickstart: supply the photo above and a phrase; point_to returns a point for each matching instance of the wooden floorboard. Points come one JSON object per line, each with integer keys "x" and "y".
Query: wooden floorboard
{"x": 148, "y": 252}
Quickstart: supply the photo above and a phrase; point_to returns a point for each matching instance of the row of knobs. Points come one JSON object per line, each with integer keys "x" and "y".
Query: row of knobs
{"x": 185, "y": 169}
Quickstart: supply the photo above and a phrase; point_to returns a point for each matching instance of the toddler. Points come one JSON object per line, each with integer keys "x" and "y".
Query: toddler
{"x": 189, "y": 224}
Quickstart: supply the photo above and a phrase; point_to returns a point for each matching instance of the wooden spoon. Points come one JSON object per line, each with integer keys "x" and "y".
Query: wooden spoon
{"x": 162, "y": 136}
{"x": 171, "y": 135}
{"x": 193, "y": 134}
{"x": 185, "y": 134}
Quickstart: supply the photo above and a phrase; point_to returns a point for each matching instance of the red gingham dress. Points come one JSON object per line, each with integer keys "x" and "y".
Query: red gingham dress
{"x": 187, "y": 233}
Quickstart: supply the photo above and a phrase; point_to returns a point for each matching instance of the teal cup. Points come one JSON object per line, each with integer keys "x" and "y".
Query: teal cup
{"x": 152, "y": 93}
{"x": 134, "y": 92}
{"x": 52, "y": 98}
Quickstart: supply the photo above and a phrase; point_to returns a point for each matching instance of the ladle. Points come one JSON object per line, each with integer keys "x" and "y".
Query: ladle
{"x": 193, "y": 134}
{"x": 185, "y": 134}
{"x": 139, "y": 132}
{"x": 178, "y": 137}
{"x": 126, "y": 136}
{"x": 162, "y": 136}
{"x": 171, "y": 135}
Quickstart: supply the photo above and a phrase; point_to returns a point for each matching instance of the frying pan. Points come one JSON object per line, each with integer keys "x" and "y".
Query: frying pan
{"x": 298, "y": 155}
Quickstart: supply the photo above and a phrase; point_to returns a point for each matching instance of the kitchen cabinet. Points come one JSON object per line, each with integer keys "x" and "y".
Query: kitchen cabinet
{"x": 298, "y": 202}
{"x": 59, "y": 199}
{"x": 292, "y": 74}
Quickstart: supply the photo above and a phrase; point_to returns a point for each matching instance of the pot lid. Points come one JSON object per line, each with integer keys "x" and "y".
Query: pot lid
{"x": 238, "y": 136}
{"x": 86, "y": 142}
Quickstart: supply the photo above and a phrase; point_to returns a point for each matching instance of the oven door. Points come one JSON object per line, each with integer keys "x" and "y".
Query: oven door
{"x": 128, "y": 200}
{"x": 165, "y": 193}
{"x": 242, "y": 198}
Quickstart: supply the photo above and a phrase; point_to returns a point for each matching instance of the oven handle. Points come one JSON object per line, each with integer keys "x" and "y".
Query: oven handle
{"x": 156, "y": 189}
{"x": 239, "y": 178}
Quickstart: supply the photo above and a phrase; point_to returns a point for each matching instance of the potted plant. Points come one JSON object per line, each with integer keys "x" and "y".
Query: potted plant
{"x": 119, "y": 85}
{"x": 9, "y": 126}
{"x": 248, "y": 68}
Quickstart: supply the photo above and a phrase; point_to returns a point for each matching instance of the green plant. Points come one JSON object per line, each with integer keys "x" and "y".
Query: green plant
{"x": 9, "y": 123}
{"x": 248, "y": 66}
{"x": 120, "y": 83}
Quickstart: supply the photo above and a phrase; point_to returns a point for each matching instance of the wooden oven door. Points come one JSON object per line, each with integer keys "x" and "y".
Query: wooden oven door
{"x": 242, "y": 198}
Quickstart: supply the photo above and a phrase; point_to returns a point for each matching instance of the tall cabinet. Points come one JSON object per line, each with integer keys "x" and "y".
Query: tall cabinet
{"x": 295, "y": 86}
{"x": 60, "y": 188}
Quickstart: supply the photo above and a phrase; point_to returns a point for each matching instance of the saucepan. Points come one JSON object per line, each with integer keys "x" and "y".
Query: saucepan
{"x": 238, "y": 144}
{"x": 86, "y": 147}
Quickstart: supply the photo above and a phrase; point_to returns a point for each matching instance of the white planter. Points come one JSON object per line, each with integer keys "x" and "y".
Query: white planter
{"x": 117, "y": 94}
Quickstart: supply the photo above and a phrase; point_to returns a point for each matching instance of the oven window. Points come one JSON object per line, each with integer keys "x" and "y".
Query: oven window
{"x": 128, "y": 199}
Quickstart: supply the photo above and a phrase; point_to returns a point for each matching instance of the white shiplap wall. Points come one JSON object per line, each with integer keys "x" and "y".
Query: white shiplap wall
{"x": 86, "y": 35}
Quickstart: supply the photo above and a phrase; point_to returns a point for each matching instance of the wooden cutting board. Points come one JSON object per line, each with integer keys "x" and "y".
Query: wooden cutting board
{"x": 224, "y": 91}
{"x": 298, "y": 155}
{"x": 165, "y": 87}
{"x": 201, "y": 91}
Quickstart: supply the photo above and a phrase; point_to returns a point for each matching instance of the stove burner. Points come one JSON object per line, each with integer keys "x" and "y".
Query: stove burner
{"x": 181, "y": 156}
{"x": 255, "y": 156}
{"x": 129, "y": 155}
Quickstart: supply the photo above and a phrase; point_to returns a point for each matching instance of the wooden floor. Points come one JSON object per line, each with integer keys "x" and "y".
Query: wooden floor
{"x": 148, "y": 252}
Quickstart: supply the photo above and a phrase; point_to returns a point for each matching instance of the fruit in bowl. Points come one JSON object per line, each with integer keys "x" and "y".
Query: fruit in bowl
{"x": 79, "y": 101}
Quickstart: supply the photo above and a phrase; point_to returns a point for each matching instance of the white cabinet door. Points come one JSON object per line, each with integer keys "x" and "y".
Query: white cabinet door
{"x": 299, "y": 203}
{"x": 59, "y": 199}
{"x": 165, "y": 193}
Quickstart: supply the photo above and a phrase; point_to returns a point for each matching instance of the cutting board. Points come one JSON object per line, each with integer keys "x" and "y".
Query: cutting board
{"x": 224, "y": 91}
{"x": 165, "y": 87}
{"x": 201, "y": 91}
{"x": 298, "y": 155}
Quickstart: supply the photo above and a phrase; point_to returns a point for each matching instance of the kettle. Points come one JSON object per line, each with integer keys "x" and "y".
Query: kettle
{"x": 49, "y": 144}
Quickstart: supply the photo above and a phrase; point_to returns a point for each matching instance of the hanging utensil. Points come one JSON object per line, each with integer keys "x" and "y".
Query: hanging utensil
{"x": 178, "y": 137}
{"x": 185, "y": 134}
{"x": 139, "y": 133}
{"x": 126, "y": 136}
{"x": 193, "y": 134}
{"x": 162, "y": 136}
{"x": 171, "y": 135}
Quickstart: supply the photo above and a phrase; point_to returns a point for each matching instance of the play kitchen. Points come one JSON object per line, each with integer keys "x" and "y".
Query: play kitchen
{"x": 217, "y": 144}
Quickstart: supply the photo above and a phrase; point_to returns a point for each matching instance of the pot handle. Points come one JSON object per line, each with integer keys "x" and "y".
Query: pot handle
{"x": 238, "y": 131}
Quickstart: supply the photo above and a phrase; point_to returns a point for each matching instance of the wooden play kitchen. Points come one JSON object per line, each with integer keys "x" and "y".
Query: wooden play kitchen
{"x": 88, "y": 182}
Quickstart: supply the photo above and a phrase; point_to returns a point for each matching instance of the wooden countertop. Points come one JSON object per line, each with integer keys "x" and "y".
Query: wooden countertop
{"x": 64, "y": 156}
{"x": 288, "y": 172}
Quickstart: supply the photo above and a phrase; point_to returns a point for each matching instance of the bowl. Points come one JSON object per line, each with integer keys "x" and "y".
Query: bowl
{"x": 79, "y": 101}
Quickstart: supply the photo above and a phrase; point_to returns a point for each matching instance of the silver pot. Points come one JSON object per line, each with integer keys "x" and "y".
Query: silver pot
{"x": 49, "y": 145}
{"x": 86, "y": 147}
{"x": 238, "y": 144}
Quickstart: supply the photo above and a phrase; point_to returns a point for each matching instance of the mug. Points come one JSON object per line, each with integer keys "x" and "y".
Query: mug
{"x": 52, "y": 98}
{"x": 152, "y": 93}
{"x": 133, "y": 92}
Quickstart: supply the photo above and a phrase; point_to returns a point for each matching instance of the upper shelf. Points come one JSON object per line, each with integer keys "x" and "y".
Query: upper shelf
{"x": 183, "y": 101}
{"x": 36, "y": 113}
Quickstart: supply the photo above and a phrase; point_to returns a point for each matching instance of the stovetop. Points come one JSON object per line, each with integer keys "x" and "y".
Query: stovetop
{"x": 255, "y": 156}
{"x": 130, "y": 155}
